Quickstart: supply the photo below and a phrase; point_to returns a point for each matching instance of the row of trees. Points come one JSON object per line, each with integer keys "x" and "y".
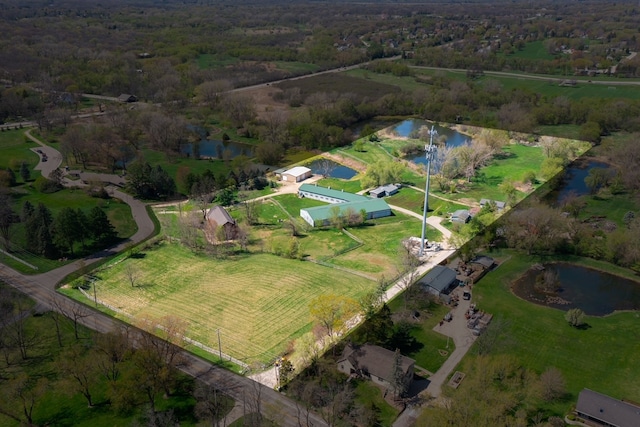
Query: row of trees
{"x": 49, "y": 236}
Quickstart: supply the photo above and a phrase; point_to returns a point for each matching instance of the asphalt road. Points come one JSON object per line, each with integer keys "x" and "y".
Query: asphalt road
{"x": 251, "y": 395}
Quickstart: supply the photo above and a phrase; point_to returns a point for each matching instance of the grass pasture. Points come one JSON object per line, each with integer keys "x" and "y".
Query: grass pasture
{"x": 259, "y": 302}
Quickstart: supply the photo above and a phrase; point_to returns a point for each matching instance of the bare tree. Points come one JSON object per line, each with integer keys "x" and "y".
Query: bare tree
{"x": 132, "y": 274}
{"x": 79, "y": 371}
{"x": 407, "y": 268}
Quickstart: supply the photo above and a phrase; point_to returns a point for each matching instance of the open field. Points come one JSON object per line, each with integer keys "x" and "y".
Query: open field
{"x": 601, "y": 357}
{"x": 258, "y": 302}
{"x": 340, "y": 83}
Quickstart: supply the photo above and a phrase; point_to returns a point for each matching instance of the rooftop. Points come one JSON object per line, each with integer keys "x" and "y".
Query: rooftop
{"x": 605, "y": 408}
{"x": 336, "y": 194}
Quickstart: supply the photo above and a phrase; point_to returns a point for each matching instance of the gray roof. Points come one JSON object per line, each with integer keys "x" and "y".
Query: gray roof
{"x": 375, "y": 360}
{"x": 605, "y": 408}
{"x": 220, "y": 216}
{"x": 485, "y": 261}
{"x": 461, "y": 215}
{"x": 336, "y": 194}
{"x": 389, "y": 188}
{"x": 439, "y": 278}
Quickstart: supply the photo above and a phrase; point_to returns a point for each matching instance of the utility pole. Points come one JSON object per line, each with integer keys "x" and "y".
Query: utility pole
{"x": 429, "y": 152}
{"x": 219, "y": 345}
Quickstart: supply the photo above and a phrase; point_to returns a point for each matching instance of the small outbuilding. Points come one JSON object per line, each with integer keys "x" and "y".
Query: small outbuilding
{"x": 296, "y": 174}
{"x": 384, "y": 191}
{"x": 439, "y": 280}
{"x": 125, "y": 97}
{"x": 461, "y": 216}
{"x": 602, "y": 410}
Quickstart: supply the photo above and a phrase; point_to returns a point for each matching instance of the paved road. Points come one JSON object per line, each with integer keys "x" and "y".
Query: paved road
{"x": 251, "y": 395}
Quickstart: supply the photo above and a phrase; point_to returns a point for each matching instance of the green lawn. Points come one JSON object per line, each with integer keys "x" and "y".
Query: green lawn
{"x": 371, "y": 396}
{"x": 260, "y": 302}
{"x": 614, "y": 207}
{"x": 382, "y": 238}
{"x": 533, "y": 50}
{"x": 601, "y": 357}
{"x": 372, "y": 153}
{"x": 14, "y": 149}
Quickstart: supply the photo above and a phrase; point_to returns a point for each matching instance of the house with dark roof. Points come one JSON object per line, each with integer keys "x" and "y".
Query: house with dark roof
{"x": 602, "y": 410}
{"x": 377, "y": 364}
{"x": 217, "y": 216}
{"x": 497, "y": 203}
{"x": 439, "y": 280}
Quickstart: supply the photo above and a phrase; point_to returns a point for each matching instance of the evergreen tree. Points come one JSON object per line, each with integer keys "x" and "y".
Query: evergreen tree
{"x": 27, "y": 211}
{"x": 99, "y": 226}
{"x": 65, "y": 230}
{"x": 82, "y": 225}
{"x": 25, "y": 173}
{"x": 38, "y": 233}
{"x": 12, "y": 177}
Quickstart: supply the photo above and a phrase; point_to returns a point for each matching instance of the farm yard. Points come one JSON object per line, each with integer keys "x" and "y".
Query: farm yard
{"x": 260, "y": 302}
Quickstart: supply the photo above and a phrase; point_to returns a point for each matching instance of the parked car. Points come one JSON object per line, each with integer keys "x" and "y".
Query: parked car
{"x": 448, "y": 317}
{"x": 466, "y": 295}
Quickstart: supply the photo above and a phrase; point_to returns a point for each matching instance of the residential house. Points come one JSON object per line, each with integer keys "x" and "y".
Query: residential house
{"x": 602, "y": 410}
{"x": 296, "y": 174}
{"x": 219, "y": 217}
{"x": 384, "y": 191}
{"x": 439, "y": 280}
{"x": 377, "y": 364}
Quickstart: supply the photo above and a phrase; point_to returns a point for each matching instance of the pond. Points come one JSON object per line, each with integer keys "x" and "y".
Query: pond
{"x": 331, "y": 169}
{"x": 597, "y": 293}
{"x": 409, "y": 129}
{"x": 216, "y": 149}
{"x": 573, "y": 181}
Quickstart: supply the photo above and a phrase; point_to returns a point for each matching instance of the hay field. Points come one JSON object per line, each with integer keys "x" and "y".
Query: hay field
{"x": 259, "y": 302}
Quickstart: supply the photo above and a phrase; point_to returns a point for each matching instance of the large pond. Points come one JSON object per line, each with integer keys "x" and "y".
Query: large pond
{"x": 410, "y": 128}
{"x": 573, "y": 182}
{"x": 595, "y": 292}
{"x": 216, "y": 149}
{"x": 331, "y": 169}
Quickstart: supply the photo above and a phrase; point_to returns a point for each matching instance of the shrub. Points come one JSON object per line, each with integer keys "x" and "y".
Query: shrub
{"x": 44, "y": 185}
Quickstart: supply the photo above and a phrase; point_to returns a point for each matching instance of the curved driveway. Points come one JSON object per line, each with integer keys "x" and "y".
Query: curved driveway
{"x": 251, "y": 395}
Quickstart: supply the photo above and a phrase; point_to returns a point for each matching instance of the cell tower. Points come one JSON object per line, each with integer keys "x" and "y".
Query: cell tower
{"x": 429, "y": 152}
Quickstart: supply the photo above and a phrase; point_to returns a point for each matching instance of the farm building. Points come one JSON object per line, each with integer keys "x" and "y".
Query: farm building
{"x": 439, "y": 280}
{"x": 601, "y": 410}
{"x": 384, "y": 191}
{"x": 375, "y": 363}
{"x": 341, "y": 203}
{"x": 461, "y": 216}
{"x": 296, "y": 174}
{"x": 328, "y": 195}
{"x": 219, "y": 217}
{"x": 321, "y": 215}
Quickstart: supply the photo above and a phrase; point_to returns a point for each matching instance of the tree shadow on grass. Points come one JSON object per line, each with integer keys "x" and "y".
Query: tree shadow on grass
{"x": 584, "y": 327}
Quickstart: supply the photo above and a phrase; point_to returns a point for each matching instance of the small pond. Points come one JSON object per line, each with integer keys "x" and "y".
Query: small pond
{"x": 573, "y": 182}
{"x": 595, "y": 292}
{"x": 409, "y": 129}
{"x": 216, "y": 149}
{"x": 331, "y": 169}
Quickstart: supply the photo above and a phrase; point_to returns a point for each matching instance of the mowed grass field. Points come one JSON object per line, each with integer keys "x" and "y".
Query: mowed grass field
{"x": 601, "y": 357}
{"x": 259, "y": 302}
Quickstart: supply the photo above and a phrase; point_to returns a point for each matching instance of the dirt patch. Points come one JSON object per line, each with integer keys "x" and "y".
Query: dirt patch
{"x": 347, "y": 161}
{"x": 266, "y": 106}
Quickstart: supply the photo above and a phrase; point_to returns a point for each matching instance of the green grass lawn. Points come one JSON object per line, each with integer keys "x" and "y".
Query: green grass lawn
{"x": 371, "y": 396}
{"x": 533, "y": 50}
{"x": 614, "y": 207}
{"x": 14, "y": 149}
{"x": 372, "y": 153}
{"x": 601, "y": 357}
{"x": 352, "y": 186}
{"x": 260, "y": 302}
{"x": 382, "y": 238}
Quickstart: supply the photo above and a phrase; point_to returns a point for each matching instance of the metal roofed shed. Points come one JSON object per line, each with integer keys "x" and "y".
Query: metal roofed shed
{"x": 384, "y": 191}
{"x": 439, "y": 280}
{"x": 329, "y": 195}
{"x": 321, "y": 215}
{"x": 297, "y": 174}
